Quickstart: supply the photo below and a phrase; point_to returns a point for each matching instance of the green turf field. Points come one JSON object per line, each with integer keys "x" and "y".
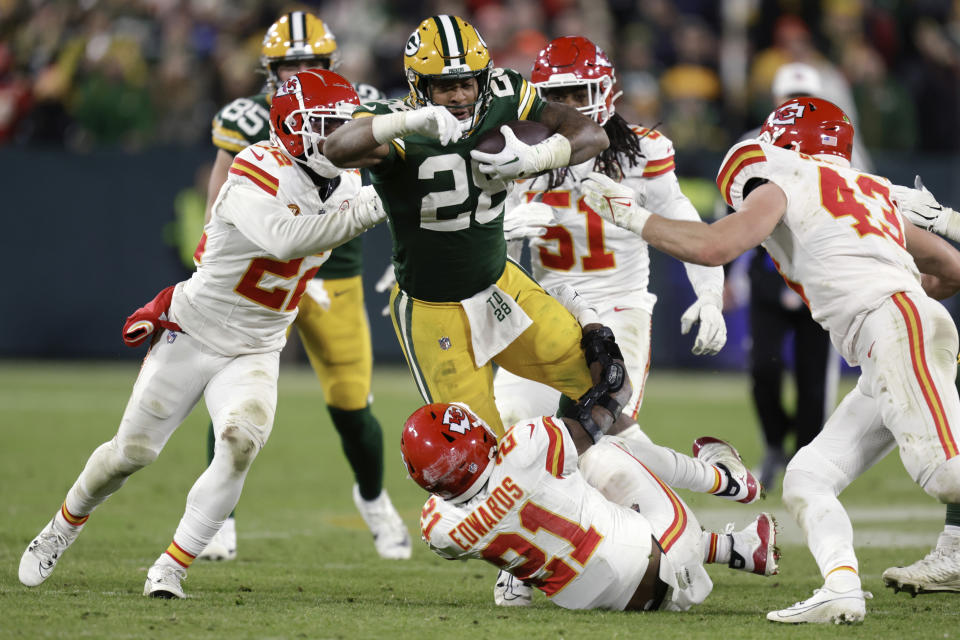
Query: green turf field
{"x": 307, "y": 567}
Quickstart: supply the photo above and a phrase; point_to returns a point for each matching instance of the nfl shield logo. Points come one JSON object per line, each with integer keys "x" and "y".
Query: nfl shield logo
{"x": 444, "y": 343}
{"x": 171, "y": 336}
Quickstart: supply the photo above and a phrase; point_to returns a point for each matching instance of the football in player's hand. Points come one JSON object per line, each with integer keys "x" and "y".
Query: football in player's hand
{"x": 527, "y": 131}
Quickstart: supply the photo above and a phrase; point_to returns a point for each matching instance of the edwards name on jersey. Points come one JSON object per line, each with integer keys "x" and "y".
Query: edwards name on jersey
{"x": 538, "y": 518}
{"x": 248, "y": 282}
{"x": 840, "y": 244}
{"x": 446, "y": 216}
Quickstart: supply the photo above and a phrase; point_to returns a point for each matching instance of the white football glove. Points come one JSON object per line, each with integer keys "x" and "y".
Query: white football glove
{"x": 528, "y": 220}
{"x": 713, "y": 330}
{"x": 431, "y": 122}
{"x": 920, "y": 207}
{"x": 385, "y": 283}
{"x": 368, "y": 207}
{"x": 519, "y": 160}
{"x": 614, "y": 202}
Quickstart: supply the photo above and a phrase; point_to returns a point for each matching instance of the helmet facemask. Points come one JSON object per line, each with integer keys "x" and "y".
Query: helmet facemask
{"x": 599, "y": 92}
{"x": 314, "y": 126}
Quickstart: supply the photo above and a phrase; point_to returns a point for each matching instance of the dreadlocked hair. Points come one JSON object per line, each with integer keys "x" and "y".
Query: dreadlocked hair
{"x": 624, "y": 147}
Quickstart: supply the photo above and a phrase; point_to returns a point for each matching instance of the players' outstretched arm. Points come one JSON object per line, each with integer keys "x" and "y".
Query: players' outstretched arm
{"x": 712, "y": 245}
{"x": 936, "y": 259}
{"x": 587, "y": 138}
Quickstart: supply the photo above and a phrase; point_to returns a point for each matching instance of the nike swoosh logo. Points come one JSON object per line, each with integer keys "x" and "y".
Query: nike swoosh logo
{"x": 256, "y": 155}
{"x": 337, "y": 294}
{"x": 870, "y": 350}
{"x": 622, "y": 308}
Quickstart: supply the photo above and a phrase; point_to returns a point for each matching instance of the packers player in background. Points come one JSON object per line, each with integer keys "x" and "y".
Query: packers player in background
{"x": 459, "y": 304}
{"x": 332, "y": 319}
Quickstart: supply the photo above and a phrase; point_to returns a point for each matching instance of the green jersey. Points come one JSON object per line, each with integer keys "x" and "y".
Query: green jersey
{"x": 445, "y": 216}
{"x": 246, "y": 121}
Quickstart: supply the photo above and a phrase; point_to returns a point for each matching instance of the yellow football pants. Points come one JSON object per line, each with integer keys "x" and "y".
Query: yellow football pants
{"x": 337, "y": 342}
{"x": 436, "y": 340}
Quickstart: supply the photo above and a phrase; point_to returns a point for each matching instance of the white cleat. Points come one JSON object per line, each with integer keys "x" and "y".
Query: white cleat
{"x": 825, "y": 606}
{"x": 41, "y": 556}
{"x": 223, "y": 546}
{"x": 163, "y": 581}
{"x": 741, "y": 485}
{"x": 510, "y": 591}
{"x": 938, "y": 571}
{"x": 390, "y": 535}
{"x": 754, "y": 547}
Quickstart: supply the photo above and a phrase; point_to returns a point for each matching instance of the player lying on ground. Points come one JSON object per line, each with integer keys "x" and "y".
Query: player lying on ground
{"x": 525, "y": 505}
{"x": 840, "y": 242}
{"x": 219, "y": 334}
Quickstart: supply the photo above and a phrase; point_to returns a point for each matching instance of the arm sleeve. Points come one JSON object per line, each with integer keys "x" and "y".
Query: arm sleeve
{"x": 273, "y": 227}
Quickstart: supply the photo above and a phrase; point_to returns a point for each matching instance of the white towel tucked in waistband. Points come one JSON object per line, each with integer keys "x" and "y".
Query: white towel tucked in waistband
{"x": 496, "y": 320}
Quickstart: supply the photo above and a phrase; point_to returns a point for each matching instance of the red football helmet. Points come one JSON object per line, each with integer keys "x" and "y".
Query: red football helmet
{"x": 574, "y": 61}
{"x": 307, "y": 107}
{"x": 813, "y": 126}
{"x": 448, "y": 450}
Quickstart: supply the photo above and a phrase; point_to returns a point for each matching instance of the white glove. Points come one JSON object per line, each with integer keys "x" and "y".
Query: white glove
{"x": 713, "y": 330}
{"x": 385, "y": 283}
{"x": 431, "y": 122}
{"x": 368, "y": 207}
{"x": 528, "y": 220}
{"x": 575, "y": 303}
{"x": 920, "y": 207}
{"x": 614, "y": 202}
{"x": 519, "y": 160}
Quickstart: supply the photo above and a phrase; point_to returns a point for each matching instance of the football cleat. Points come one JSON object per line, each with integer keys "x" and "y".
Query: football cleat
{"x": 41, "y": 556}
{"x": 754, "y": 548}
{"x": 223, "y": 546}
{"x": 511, "y": 591}
{"x": 826, "y": 605}
{"x": 163, "y": 581}
{"x": 740, "y": 484}
{"x": 390, "y": 535}
{"x": 938, "y": 571}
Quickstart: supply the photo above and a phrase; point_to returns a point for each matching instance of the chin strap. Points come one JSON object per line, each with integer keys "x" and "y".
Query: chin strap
{"x": 600, "y": 347}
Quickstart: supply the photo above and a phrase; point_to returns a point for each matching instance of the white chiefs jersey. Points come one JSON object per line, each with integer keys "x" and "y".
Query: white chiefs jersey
{"x": 604, "y": 263}
{"x": 268, "y": 234}
{"x": 538, "y": 518}
{"x": 840, "y": 245}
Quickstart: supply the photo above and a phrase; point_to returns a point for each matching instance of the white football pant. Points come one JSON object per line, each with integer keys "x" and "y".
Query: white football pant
{"x": 905, "y": 397}
{"x": 241, "y": 397}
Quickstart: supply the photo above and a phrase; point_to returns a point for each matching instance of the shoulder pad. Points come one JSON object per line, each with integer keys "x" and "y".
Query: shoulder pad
{"x": 261, "y": 164}
{"x": 745, "y": 160}
{"x": 657, "y": 148}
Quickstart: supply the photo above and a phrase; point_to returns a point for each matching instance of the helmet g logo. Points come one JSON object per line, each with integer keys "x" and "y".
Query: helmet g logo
{"x": 292, "y": 85}
{"x": 455, "y": 419}
{"x": 413, "y": 44}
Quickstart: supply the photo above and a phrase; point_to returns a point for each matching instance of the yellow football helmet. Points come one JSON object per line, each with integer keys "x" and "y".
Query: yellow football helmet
{"x": 295, "y": 37}
{"x": 447, "y": 47}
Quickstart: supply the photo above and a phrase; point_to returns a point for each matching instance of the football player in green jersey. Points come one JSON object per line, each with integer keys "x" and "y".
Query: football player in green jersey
{"x": 460, "y": 304}
{"x": 334, "y": 330}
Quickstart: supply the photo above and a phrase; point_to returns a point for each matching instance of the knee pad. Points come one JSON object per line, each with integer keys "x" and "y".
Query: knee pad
{"x": 244, "y": 432}
{"x": 133, "y": 453}
{"x": 608, "y": 470}
{"x": 944, "y": 483}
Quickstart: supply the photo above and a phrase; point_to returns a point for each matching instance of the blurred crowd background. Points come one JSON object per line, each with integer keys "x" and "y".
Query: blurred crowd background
{"x": 131, "y": 74}
{"x": 106, "y": 107}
